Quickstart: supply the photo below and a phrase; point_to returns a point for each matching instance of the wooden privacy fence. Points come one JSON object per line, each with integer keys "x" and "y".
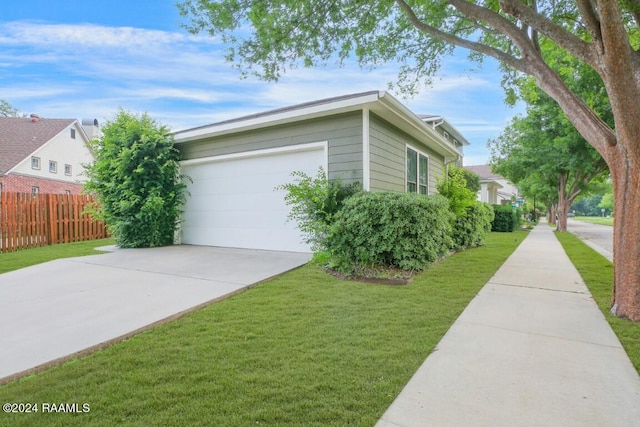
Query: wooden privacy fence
{"x": 29, "y": 220}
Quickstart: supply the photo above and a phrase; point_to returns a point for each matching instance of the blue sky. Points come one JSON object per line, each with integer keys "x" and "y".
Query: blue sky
{"x": 87, "y": 59}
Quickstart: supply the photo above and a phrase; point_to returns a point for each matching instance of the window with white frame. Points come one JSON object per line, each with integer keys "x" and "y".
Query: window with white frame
{"x": 67, "y": 170}
{"x": 35, "y": 162}
{"x": 417, "y": 171}
{"x": 35, "y": 190}
{"x": 53, "y": 166}
{"x": 73, "y": 134}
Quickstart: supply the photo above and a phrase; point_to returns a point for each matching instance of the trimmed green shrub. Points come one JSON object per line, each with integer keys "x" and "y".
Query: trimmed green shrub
{"x": 470, "y": 230}
{"x": 506, "y": 218}
{"x": 136, "y": 179}
{"x": 403, "y": 230}
{"x": 314, "y": 202}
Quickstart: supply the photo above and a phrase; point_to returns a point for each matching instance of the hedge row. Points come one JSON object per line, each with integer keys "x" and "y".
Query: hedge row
{"x": 471, "y": 228}
{"x": 507, "y": 219}
{"x": 401, "y": 230}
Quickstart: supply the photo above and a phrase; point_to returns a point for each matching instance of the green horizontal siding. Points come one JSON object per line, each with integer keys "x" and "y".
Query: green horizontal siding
{"x": 343, "y": 133}
{"x": 388, "y": 157}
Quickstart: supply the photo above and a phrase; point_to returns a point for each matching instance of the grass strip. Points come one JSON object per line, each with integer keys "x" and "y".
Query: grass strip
{"x": 302, "y": 349}
{"x": 597, "y": 273}
{"x": 24, "y": 258}
{"x": 595, "y": 220}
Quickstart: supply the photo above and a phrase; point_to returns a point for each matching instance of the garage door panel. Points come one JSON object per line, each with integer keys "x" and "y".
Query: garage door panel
{"x": 234, "y": 203}
{"x": 239, "y": 202}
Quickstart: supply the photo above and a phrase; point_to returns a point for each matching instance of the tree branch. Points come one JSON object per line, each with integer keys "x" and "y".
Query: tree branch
{"x": 591, "y": 20}
{"x": 571, "y": 43}
{"x": 458, "y": 41}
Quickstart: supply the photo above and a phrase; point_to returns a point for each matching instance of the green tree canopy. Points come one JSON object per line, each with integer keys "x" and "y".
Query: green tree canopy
{"x": 136, "y": 179}
{"x": 544, "y": 155}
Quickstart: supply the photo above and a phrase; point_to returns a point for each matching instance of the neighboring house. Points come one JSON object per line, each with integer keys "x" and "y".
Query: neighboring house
{"x": 39, "y": 155}
{"x": 369, "y": 138}
{"x": 494, "y": 188}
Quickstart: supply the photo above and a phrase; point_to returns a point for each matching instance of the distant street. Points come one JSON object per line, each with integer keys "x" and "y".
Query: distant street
{"x": 599, "y": 237}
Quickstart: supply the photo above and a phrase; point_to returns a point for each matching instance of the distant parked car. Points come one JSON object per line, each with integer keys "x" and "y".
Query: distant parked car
{"x": 570, "y": 215}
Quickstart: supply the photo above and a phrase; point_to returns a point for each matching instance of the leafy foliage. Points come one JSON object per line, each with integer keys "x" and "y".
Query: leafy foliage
{"x": 471, "y": 229}
{"x": 8, "y": 110}
{"x": 542, "y": 152}
{"x": 506, "y": 218}
{"x": 455, "y": 188}
{"x": 472, "y": 219}
{"x": 136, "y": 178}
{"x": 404, "y": 230}
{"x": 314, "y": 202}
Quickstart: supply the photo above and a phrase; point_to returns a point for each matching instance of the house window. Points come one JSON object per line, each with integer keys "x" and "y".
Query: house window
{"x": 446, "y": 135}
{"x": 67, "y": 170}
{"x": 73, "y": 134}
{"x": 35, "y": 190}
{"x": 67, "y": 192}
{"x": 417, "y": 172}
{"x": 53, "y": 166}
{"x": 35, "y": 163}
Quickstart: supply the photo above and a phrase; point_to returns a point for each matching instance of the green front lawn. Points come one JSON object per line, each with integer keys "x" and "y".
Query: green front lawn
{"x": 597, "y": 273}
{"x": 596, "y": 219}
{"x": 302, "y": 349}
{"x": 14, "y": 260}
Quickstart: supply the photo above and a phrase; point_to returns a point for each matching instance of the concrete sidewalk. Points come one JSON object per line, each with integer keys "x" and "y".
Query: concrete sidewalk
{"x": 531, "y": 349}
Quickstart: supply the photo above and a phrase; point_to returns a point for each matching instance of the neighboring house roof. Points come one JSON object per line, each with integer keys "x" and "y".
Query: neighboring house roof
{"x": 484, "y": 172}
{"x": 21, "y": 136}
{"x": 379, "y": 102}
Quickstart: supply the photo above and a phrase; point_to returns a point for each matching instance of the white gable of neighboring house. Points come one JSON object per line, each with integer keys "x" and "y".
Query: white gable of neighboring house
{"x": 494, "y": 189}
{"x": 61, "y": 159}
{"x": 489, "y": 192}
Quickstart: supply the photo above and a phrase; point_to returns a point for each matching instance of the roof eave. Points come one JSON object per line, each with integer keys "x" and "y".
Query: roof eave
{"x": 279, "y": 117}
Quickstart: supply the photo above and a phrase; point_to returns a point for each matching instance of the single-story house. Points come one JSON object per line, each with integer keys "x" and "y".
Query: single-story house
{"x": 234, "y": 165}
{"x": 42, "y": 155}
{"x": 494, "y": 188}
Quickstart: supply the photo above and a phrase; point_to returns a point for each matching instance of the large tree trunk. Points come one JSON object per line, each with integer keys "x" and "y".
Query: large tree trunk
{"x": 625, "y": 174}
{"x": 552, "y": 214}
{"x": 563, "y": 204}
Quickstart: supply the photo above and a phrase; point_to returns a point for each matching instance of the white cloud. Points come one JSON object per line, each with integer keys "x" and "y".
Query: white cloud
{"x": 183, "y": 80}
{"x": 89, "y": 36}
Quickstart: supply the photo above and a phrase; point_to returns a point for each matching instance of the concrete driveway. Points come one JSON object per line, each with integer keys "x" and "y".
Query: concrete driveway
{"x": 599, "y": 237}
{"x": 65, "y": 308}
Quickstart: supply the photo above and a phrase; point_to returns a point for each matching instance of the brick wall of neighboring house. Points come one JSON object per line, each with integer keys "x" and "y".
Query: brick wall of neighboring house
{"x": 25, "y": 184}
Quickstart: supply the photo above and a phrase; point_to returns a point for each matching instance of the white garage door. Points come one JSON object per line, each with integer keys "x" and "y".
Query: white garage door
{"x": 233, "y": 202}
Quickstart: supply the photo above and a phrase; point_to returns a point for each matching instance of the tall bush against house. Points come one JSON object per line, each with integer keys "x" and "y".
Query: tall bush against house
{"x": 472, "y": 219}
{"x": 136, "y": 179}
{"x": 314, "y": 203}
{"x": 403, "y": 230}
